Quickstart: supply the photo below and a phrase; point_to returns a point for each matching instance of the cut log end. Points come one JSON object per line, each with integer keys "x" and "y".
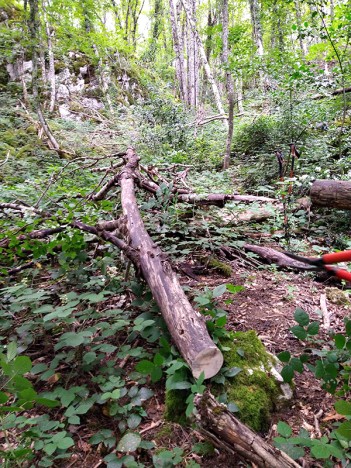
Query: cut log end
{"x": 209, "y": 361}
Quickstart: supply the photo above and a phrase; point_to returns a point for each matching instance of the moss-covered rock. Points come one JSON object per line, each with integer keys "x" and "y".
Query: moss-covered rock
{"x": 254, "y": 390}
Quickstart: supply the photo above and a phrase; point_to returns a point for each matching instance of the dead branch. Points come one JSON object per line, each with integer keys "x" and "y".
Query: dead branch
{"x": 227, "y": 432}
{"x": 187, "y": 326}
{"x": 274, "y": 256}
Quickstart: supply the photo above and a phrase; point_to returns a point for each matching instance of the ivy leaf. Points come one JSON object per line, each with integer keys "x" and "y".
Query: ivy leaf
{"x": 22, "y": 364}
{"x": 133, "y": 421}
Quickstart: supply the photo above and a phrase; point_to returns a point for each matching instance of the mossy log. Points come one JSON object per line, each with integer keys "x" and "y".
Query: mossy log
{"x": 331, "y": 194}
{"x": 187, "y": 326}
{"x": 219, "y": 425}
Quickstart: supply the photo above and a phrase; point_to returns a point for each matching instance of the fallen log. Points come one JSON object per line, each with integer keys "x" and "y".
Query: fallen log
{"x": 218, "y": 424}
{"x": 274, "y": 256}
{"x": 187, "y": 326}
{"x": 333, "y": 93}
{"x": 219, "y": 199}
{"x": 331, "y": 194}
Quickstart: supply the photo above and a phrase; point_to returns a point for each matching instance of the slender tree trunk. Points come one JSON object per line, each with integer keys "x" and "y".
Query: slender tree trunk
{"x": 117, "y": 17}
{"x": 51, "y": 72}
{"x": 229, "y": 85}
{"x": 299, "y": 25}
{"x": 204, "y": 60}
{"x": 179, "y": 59}
{"x": 34, "y": 28}
{"x": 256, "y": 26}
{"x": 257, "y": 37}
{"x": 239, "y": 92}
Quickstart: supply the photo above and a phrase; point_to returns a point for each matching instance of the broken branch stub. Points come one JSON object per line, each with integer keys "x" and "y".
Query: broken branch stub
{"x": 187, "y": 326}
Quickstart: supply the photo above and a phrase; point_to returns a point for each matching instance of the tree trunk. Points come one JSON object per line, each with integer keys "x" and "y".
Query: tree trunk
{"x": 207, "y": 68}
{"x": 179, "y": 57}
{"x": 229, "y": 85}
{"x": 331, "y": 194}
{"x": 34, "y": 27}
{"x": 257, "y": 37}
{"x": 51, "y": 72}
{"x": 187, "y": 327}
{"x": 299, "y": 25}
{"x": 218, "y": 424}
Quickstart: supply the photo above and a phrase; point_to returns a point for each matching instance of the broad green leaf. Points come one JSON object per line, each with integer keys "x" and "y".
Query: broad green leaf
{"x": 297, "y": 365}
{"x": 233, "y": 372}
{"x": 219, "y": 290}
{"x": 234, "y": 289}
{"x": 345, "y": 430}
{"x": 299, "y": 332}
{"x": 233, "y": 408}
{"x": 313, "y": 328}
{"x": 320, "y": 451}
{"x": 301, "y": 317}
{"x": 65, "y": 443}
{"x": 11, "y": 351}
{"x": 22, "y": 364}
{"x": 156, "y": 374}
{"x": 343, "y": 407}
{"x": 3, "y": 398}
{"x": 284, "y": 356}
{"x": 287, "y": 373}
{"x": 129, "y": 442}
{"x": 284, "y": 429}
{"x": 145, "y": 367}
{"x": 340, "y": 340}
{"x": 133, "y": 421}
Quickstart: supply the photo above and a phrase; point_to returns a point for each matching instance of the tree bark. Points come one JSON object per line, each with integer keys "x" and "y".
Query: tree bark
{"x": 331, "y": 194}
{"x": 51, "y": 72}
{"x": 179, "y": 57}
{"x": 229, "y": 86}
{"x": 207, "y": 67}
{"x": 187, "y": 327}
{"x": 334, "y": 93}
{"x": 226, "y": 431}
{"x": 34, "y": 27}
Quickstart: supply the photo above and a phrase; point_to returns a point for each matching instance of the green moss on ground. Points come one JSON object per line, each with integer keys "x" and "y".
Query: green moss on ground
{"x": 220, "y": 267}
{"x": 253, "y": 390}
{"x": 175, "y": 406}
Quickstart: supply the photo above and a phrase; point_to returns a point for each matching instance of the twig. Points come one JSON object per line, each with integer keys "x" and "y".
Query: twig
{"x": 6, "y": 159}
{"x": 326, "y": 314}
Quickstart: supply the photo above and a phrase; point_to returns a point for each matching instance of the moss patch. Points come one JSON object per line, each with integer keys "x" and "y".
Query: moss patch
{"x": 220, "y": 267}
{"x": 176, "y": 406}
{"x": 253, "y": 390}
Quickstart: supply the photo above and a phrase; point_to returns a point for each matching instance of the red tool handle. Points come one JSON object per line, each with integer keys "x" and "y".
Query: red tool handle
{"x": 344, "y": 256}
{"x": 339, "y": 273}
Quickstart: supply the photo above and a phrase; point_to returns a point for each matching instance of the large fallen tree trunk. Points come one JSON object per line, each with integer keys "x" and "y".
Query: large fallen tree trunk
{"x": 227, "y": 432}
{"x": 274, "y": 256}
{"x": 334, "y": 93}
{"x": 331, "y": 194}
{"x": 187, "y": 327}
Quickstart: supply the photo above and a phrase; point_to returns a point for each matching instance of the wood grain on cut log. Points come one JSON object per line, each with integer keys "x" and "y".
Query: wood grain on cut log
{"x": 226, "y": 431}
{"x": 331, "y": 194}
{"x": 187, "y": 327}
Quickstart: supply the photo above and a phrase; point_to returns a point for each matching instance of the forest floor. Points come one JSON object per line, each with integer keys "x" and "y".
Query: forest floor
{"x": 267, "y": 305}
